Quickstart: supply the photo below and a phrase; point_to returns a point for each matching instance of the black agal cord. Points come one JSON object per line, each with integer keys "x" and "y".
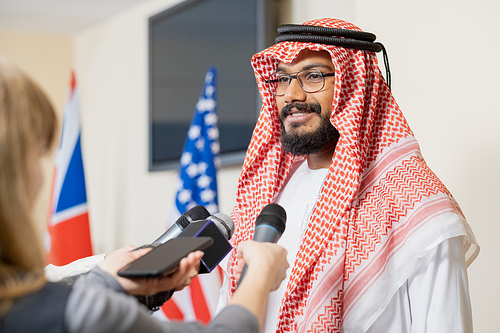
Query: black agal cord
{"x": 359, "y": 40}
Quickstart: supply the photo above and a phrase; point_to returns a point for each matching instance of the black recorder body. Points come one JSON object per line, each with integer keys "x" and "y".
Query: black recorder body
{"x": 213, "y": 253}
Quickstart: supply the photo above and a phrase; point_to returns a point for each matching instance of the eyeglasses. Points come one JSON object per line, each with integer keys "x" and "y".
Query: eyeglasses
{"x": 310, "y": 81}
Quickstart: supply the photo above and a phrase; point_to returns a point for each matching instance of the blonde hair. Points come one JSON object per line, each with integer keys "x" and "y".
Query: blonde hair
{"x": 27, "y": 118}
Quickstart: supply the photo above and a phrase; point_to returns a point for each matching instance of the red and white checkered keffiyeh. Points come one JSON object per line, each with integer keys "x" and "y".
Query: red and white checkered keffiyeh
{"x": 381, "y": 208}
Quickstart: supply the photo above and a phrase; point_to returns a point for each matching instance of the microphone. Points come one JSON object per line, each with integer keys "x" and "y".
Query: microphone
{"x": 196, "y": 213}
{"x": 224, "y": 223}
{"x": 269, "y": 226}
{"x": 220, "y": 227}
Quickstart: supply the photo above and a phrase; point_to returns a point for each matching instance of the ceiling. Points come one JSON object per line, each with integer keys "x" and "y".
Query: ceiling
{"x": 64, "y": 17}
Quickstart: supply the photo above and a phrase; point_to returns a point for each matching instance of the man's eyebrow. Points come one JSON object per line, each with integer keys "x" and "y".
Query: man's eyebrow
{"x": 309, "y": 66}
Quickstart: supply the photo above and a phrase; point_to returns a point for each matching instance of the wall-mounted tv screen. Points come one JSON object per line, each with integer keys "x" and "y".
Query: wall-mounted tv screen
{"x": 184, "y": 42}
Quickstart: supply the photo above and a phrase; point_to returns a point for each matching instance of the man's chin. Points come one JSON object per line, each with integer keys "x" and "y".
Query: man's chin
{"x": 298, "y": 128}
{"x": 306, "y": 139}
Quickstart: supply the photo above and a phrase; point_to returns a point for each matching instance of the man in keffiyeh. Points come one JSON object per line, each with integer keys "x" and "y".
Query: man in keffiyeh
{"x": 375, "y": 241}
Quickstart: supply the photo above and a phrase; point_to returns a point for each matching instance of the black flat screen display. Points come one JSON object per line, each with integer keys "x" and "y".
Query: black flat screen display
{"x": 186, "y": 40}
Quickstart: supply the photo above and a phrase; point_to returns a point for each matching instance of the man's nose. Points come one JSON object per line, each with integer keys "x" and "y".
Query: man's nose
{"x": 294, "y": 92}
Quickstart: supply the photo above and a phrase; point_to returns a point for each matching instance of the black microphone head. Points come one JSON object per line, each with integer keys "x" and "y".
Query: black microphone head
{"x": 225, "y": 224}
{"x": 273, "y": 215}
{"x": 194, "y": 214}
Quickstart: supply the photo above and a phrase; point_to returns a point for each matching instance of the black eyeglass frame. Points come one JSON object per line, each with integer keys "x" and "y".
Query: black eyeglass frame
{"x": 323, "y": 75}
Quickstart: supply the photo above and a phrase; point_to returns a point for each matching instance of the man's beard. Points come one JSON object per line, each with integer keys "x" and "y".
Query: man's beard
{"x": 308, "y": 143}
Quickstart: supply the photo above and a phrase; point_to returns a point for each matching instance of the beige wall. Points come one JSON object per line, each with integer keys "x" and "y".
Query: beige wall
{"x": 445, "y": 78}
{"x": 48, "y": 59}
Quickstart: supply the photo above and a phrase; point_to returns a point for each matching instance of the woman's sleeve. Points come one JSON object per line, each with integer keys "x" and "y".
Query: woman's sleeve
{"x": 99, "y": 304}
{"x": 77, "y": 267}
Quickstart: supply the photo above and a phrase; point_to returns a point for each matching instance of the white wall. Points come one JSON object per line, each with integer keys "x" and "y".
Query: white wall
{"x": 445, "y": 78}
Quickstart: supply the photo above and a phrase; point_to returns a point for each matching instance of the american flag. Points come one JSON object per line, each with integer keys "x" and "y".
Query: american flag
{"x": 68, "y": 236}
{"x": 198, "y": 186}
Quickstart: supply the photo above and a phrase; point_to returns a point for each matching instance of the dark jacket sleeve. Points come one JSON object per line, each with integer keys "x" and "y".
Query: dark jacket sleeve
{"x": 99, "y": 304}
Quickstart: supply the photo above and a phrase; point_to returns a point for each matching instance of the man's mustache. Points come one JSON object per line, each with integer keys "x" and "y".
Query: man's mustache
{"x": 302, "y": 107}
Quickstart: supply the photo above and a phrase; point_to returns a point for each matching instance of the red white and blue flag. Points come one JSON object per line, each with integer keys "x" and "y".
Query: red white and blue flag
{"x": 198, "y": 186}
{"x": 68, "y": 237}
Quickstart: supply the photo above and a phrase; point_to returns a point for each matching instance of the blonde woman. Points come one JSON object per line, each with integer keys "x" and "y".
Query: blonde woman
{"x": 100, "y": 301}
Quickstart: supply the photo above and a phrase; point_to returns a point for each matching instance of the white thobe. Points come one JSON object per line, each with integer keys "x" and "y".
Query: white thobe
{"x": 435, "y": 298}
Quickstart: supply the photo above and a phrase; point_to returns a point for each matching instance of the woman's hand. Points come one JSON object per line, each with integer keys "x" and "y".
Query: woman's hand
{"x": 180, "y": 278}
{"x": 267, "y": 267}
{"x": 267, "y": 259}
